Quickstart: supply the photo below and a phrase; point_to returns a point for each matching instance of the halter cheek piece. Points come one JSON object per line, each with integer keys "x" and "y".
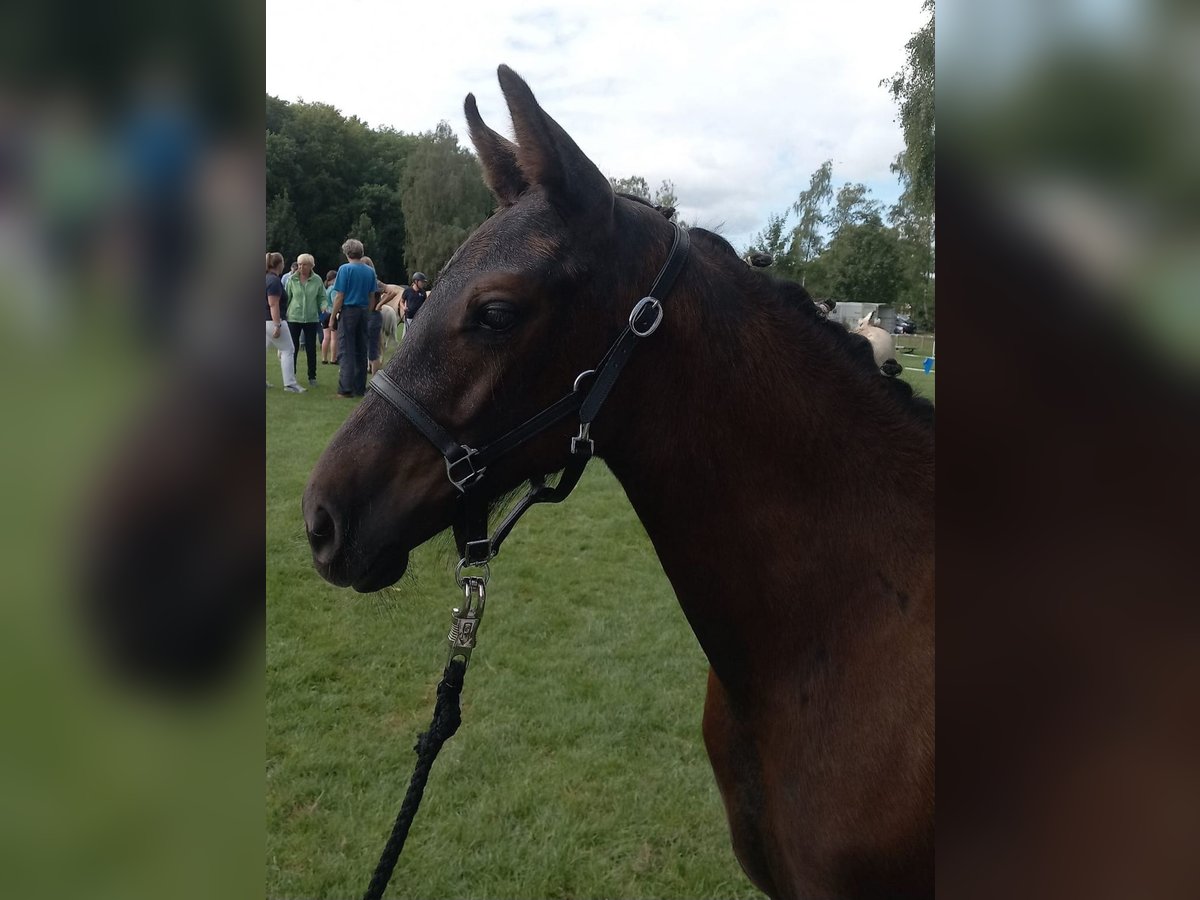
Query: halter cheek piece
{"x": 465, "y": 466}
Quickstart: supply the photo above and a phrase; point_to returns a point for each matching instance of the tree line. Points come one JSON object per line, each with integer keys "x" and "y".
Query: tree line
{"x": 845, "y": 245}
{"x": 412, "y": 199}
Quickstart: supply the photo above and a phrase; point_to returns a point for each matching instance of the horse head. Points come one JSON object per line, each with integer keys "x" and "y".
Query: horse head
{"x": 529, "y": 302}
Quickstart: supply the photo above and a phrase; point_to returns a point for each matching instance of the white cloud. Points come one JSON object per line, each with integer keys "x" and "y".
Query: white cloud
{"x": 736, "y": 108}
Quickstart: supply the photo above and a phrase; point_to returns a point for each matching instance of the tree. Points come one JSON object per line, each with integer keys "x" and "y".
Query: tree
{"x": 637, "y": 186}
{"x": 283, "y": 233}
{"x": 283, "y": 171}
{"x": 382, "y": 208}
{"x": 771, "y": 240}
{"x": 334, "y": 170}
{"x": 912, "y": 89}
{"x": 364, "y": 229}
{"x": 862, "y": 263}
{"x": 444, "y": 199}
{"x": 854, "y": 206}
{"x": 808, "y": 237}
{"x": 634, "y": 185}
{"x": 665, "y": 195}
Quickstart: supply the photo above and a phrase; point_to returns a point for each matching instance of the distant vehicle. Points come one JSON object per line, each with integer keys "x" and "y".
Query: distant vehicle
{"x": 904, "y": 325}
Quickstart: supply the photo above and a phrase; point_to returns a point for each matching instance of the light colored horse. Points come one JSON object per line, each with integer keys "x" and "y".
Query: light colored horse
{"x": 391, "y": 318}
{"x": 883, "y": 345}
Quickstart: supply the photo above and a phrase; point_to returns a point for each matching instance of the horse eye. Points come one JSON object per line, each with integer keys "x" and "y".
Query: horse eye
{"x": 497, "y": 316}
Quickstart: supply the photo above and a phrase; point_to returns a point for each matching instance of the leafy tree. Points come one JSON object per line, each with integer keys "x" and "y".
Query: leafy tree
{"x": 811, "y": 208}
{"x": 912, "y": 89}
{"x": 665, "y": 196}
{"x": 637, "y": 186}
{"x": 364, "y": 230}
{"x": 335, "y": 169}
{"x": 862, "y": 263}
{"x": 283, "y": 233}
{"x": 854, "y": 206}
{"x": 772, "y": 240}
{"x": 283, "y": 170}
{"x": 444, "y": 199}
{"x": 634, "y": 184}
{"x": 917, "y": 257}
{"x": 381, "y": 207}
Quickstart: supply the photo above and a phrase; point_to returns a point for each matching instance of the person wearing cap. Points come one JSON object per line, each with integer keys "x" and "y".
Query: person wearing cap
{"x": 412, "y": 298}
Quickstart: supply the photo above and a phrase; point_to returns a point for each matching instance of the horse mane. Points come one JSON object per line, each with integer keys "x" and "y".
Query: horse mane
{"x": 793, "y": 297}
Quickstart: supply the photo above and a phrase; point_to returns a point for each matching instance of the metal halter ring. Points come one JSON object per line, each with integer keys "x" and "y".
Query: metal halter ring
{"x": 462, "y": 564}
{"x": 637, "y": 311}
{"x": 582, "y": 375}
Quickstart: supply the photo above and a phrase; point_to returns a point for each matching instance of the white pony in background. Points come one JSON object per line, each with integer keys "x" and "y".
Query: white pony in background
{"x": 390, "y": 319}
{"x": 883, "y": 345}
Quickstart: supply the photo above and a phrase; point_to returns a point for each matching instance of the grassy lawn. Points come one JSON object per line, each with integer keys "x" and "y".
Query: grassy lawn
{"x": 919, "y": 346}
{"x": 579, "y": 769}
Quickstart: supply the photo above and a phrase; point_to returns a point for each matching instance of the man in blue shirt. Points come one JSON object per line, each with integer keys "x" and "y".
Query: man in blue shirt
{"x": 356, "y": 287}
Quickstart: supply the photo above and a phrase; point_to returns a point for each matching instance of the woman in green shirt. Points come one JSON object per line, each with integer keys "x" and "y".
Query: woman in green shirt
{"x": 307, "y": 299}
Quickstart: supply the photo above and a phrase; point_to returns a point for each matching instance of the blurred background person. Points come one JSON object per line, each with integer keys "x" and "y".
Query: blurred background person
{"x": 306, "y": 301}
{"x": 328, "y": 332}
{"x": 278, "y": 334}
{"x": 412, "y": 298}
{"x": 374, "y": 323}
{"x": 356, "y": 287}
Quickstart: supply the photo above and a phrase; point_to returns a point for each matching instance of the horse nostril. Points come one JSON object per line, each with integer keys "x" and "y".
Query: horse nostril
{"x": 323, "y": 535}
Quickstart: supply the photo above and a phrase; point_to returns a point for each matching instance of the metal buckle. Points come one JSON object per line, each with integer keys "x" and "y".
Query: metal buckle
{"x": 472, "y": 557}
{"x": 637, "y": 311}
{"x": 580, "y": 439}
{"x": 464, "y": 630}
{"x": 471, "y": 477}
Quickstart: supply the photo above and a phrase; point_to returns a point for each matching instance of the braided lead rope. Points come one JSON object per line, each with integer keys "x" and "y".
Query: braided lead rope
{"x": 446, "y": 719}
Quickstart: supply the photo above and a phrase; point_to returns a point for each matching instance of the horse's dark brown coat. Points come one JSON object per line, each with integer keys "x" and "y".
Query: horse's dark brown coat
{"x": 786, "y": 486}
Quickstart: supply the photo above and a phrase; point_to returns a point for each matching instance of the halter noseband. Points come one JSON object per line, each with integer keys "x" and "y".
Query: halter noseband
{"x": 465, "y": 466}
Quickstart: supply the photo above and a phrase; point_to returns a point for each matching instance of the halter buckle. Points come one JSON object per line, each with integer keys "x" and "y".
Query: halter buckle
{"x": 634, "y": 317}
{"x": 477, "y": 553}
{"x": 580, "y": 440}
{"x": 470, "y": 477}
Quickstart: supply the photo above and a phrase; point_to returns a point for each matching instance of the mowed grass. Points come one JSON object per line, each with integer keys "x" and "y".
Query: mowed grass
{"x": 579, "y": 769}
{"x": 919, "y": 346}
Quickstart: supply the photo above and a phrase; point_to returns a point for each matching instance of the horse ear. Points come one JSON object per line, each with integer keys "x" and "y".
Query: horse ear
{"x": 549, "y": 157}
{"x": 497, "y": 155}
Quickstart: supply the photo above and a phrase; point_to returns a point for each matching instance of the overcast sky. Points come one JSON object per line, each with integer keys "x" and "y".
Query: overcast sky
{"x": 736, "y": 108}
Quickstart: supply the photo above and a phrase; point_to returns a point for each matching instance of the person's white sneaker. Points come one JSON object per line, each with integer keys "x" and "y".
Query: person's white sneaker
{"x": 293, "y": 389}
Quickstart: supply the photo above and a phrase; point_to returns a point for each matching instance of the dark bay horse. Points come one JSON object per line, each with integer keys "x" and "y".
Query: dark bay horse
{"x": 739, "y": 430}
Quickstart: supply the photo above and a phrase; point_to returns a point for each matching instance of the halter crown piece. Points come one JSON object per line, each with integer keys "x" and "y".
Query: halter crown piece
{"x": 466, "y": 466}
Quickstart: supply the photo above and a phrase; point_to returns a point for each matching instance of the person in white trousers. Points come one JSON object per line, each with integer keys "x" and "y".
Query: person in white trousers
{"x": 278, "y": 335}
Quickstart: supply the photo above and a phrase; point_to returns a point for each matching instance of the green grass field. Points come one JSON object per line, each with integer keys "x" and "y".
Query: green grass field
{"x": 579, "y": 769}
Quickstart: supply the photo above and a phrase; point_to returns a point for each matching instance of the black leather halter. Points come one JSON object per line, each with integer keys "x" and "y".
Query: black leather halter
{"x": 465, "y": 466}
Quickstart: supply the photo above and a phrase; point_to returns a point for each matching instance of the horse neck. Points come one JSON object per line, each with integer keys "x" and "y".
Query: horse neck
{"x": 779, "y": 483}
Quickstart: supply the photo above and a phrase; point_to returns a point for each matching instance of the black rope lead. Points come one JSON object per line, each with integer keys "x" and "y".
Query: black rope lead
{"x": 446, "y": 719}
